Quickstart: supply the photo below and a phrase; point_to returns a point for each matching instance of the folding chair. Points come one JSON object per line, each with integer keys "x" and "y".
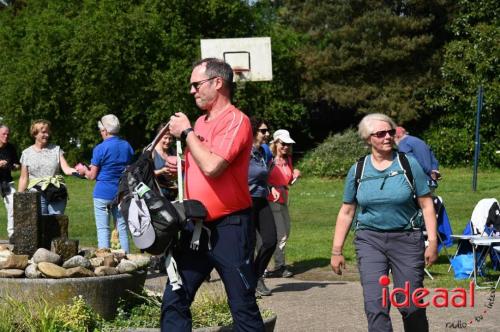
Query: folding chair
{"x": 444, "y": 229}
{"x": 477, "y": 225}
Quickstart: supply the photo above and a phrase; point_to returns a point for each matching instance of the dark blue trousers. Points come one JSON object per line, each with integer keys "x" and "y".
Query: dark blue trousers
{"x": 231, "y": 256}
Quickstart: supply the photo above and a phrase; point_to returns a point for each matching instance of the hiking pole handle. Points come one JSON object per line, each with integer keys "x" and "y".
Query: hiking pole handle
{"x": 180, "y": 184}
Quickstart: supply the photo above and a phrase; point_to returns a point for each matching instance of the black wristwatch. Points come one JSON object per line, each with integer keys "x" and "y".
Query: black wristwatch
{"x": 185, "y": 133}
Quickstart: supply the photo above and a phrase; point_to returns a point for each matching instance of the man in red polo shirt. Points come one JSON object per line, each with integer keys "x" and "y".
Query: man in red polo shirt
{"x": 216, "y": 174}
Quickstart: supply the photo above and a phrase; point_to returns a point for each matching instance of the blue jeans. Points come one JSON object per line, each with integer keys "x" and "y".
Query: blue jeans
{"x": 102, "y": 209}
{"x": 56, "y": 207}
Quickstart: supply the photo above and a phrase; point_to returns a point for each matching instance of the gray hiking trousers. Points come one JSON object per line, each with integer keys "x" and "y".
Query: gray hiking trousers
{"x": 403, "y": 254}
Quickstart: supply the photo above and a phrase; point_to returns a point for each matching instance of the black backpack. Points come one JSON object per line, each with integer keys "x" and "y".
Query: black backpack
{"x": 153, "y": 220}
{"x": 164, "y": 218}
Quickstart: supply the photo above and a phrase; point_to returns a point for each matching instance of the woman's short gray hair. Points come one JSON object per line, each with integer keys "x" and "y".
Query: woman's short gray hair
{"x": 109, "y": 122}
{"x": 365, "y": 126}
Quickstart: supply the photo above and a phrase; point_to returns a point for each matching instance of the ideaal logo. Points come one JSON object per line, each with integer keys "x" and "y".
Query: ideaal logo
{"x": 440, "y": 298}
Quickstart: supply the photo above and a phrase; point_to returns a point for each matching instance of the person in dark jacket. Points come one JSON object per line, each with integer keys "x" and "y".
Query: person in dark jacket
{"x": 262, "y": 216}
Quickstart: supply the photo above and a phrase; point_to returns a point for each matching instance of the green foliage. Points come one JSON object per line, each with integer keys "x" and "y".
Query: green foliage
{"x": 73, "y": 61}
{"x": 470, "y": 60}
{"x": 35, "y": 316}
{"x": 334, "y": 156}
{"x": 219, "y": 314}
{"x": 141, "y": 310}
{"x": 369, "y": 56}
{"x": 76, "y": 317}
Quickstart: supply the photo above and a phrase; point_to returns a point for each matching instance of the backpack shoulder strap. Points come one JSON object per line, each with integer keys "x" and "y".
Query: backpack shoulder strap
{"x": 405, "y": 165}
{"x": 360, "y": 169}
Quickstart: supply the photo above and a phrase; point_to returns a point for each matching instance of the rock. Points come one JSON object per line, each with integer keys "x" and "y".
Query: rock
{"x": 18, "y": 262}
{"x": 64, "y": 247}
{"x": 87, "y": 253}
{"x": 101, "y": 252}
{"x": 105, "y": 271}
{"x": 11, "y": 273}
{"x": 26, "y": 227}
{"x": 142, "y": 261}
{"x": 79, "y": 272}
{"x": 109, "y": 261}
{"x": 52, "y": 227}
{"x": 43, "y": 255}
{"x": 119, "y": 254}
{"x": 77, "y": 261}
{"x": 126, "y": 266}
{"x": 51, "y": 270}
{"x": 32, "y": 272}
{"x": 96, "y": 261}
{"x": 4, "y": 253}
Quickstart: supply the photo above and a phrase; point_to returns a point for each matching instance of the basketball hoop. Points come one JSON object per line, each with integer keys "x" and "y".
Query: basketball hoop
{"x": 240, "y": 73}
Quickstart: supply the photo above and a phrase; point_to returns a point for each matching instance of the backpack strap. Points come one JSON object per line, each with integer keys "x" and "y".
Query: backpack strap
{"x": 405, "y": 165}
{"x": 360, "y": 170}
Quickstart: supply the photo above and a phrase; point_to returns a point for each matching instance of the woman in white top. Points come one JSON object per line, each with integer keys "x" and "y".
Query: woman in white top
{"x": 41, "y": 166}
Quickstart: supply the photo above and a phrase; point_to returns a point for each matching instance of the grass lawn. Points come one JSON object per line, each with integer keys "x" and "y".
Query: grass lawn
{"x": 314, "y": 205}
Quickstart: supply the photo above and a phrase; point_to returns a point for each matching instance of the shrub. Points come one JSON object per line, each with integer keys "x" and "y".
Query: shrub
{"x": 334, "y": 156}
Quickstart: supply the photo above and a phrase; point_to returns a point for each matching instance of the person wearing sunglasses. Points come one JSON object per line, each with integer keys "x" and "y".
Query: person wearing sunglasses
{"x": 262, "y": 216}
{"x": 216, "y": 173}
{"x": 388, "y": 219}
{"x": 281, "y": 176}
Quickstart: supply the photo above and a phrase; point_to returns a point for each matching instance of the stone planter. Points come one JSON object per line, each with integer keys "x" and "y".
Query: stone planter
{"x": 269, "y": 324}
{"x": 101, "y": 293}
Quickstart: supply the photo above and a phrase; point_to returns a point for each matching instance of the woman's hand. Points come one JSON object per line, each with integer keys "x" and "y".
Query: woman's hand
{"x": 171, "y": 165}
{"x": 276, "y": 194}
{"x": 431, "y": 252}
{"x": 337, "y": 263}
{"x": 296, "y": 173}
{"x": 80, "y": 168}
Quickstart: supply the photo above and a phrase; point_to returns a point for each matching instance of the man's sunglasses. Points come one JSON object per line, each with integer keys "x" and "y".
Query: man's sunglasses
{"x": 263, "y": 130}
{"x": 382, "y": 133}
{"x": 196, "y": 85}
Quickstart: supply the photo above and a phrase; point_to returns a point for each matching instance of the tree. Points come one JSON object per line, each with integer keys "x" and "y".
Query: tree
{"x": 73, "y": 61}
{"x": 471, "y": 59}
{"x": 368, "y": 56}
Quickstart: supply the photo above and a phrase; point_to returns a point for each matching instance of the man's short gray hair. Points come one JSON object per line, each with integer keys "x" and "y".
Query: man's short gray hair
{"x": 365, "y": 126}
{"x": 109, "y": 122}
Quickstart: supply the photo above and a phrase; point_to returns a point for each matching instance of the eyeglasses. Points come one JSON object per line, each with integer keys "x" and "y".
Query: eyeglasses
{"x": 285, "y": 144}
{"x": 382, "y": 133}
{"x": 263, "y": 130}
{"x": 196, "y": 85}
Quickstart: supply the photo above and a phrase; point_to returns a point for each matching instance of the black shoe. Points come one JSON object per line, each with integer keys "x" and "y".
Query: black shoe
{"x": 282, "y": 272}
{"x": 286, "y": 273}
{"x": 261, "y": 288}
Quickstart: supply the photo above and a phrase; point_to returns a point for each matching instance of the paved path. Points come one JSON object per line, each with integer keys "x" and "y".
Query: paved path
{"x": 303, "y": 305}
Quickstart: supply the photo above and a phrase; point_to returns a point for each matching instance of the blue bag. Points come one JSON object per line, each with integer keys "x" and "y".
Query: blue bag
{"x": 463, "y": 265}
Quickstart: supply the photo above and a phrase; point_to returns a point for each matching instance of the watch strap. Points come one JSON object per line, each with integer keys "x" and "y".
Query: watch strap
{"x": 185, "y": 133}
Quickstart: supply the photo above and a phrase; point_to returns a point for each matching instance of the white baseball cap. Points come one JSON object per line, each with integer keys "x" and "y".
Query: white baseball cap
{"x": 283, "y": 135}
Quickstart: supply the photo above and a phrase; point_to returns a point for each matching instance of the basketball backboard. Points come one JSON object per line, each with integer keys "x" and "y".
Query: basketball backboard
{"x": 250, "y": 58}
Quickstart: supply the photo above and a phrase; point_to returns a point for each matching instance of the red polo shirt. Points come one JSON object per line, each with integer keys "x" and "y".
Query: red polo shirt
{"x": 229, "y": 136}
